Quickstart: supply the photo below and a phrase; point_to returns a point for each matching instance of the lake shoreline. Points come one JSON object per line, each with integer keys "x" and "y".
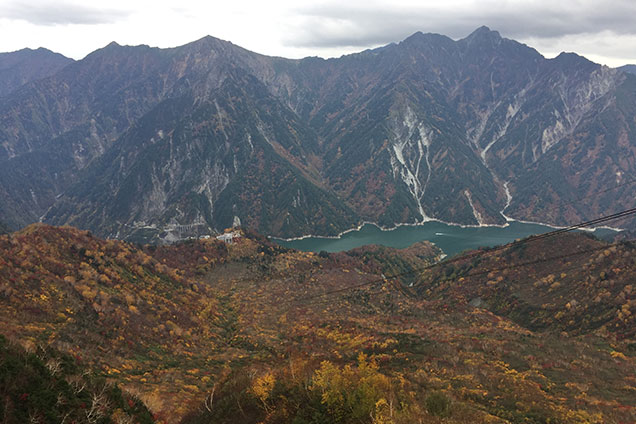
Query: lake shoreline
{"x": 449, "y": 238}
{"x": 453, "y": 224}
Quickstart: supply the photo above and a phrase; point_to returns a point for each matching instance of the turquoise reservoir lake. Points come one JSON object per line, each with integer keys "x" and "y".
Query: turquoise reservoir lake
{"x": 452, "y": 239}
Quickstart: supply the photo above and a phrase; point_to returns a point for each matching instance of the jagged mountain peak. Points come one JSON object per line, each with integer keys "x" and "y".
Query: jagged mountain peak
{"x": 23, "y": 66}
{"x": 210, "y": 44}
{"x": 419, "y": 35}
{"x": 573, "y": 58}
{"x": 114, "y": 46}
{"x": 207, "y": 41}
{"x": 483, "y": 44}
{"x": 429, "y": 38}
{"x": 27, "y": 57}
{"x": 483, "y": 33}
{"x": 113, "y": 52}
{"x": 573, "y": 63}
{"x": 37, "y": 50}
{"x": 44, "y": 50}
{"x": 415, "y": 35}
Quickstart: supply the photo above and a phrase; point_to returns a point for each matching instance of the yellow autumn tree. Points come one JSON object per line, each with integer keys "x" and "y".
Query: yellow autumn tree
{"x": 354, "y": 393}
{"x": 262, "y": 388}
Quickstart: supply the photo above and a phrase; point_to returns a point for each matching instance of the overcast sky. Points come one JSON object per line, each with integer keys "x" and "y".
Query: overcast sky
{"x": 602, "y": 30}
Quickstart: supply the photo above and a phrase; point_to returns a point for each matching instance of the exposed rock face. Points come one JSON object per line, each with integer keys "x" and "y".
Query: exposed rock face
{"x": 150, "y": 143}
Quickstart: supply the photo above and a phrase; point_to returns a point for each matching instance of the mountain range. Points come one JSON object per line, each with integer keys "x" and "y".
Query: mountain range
{"x": 152, "y": 144}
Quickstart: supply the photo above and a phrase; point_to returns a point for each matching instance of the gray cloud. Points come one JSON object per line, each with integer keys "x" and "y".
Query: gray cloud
{"x": 50, "y": 13}
{"x": 363, "y": 24}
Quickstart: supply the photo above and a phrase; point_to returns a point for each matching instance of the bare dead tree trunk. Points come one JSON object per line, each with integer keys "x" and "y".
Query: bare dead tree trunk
{"x": 240, "y": 407}
{"x": 99, "y": 403}
{"x": 209, "y": 400}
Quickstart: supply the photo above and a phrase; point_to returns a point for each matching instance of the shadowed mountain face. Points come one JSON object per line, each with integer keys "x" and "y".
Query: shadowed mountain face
{"x": 145, "y": 143}
{"x": 628, "y": 68}
{"x": 27, "y": 65}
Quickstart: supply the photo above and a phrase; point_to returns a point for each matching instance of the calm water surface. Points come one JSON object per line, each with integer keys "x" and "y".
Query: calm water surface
{"x": 450, "y": 238}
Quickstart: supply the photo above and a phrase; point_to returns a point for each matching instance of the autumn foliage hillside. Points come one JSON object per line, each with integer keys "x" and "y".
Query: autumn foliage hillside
{"x": 109, "y": 304}
{"x": 251, "y": 332}
{"x": 149, "y": 318}
{"x": 572, "y": 283}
